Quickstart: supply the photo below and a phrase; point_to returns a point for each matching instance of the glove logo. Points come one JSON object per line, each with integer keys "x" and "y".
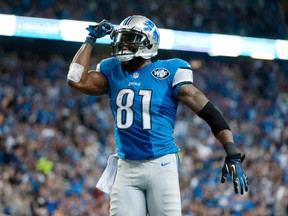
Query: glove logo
{"x": 234, "y": 168}
{"x": 160, "y": 73}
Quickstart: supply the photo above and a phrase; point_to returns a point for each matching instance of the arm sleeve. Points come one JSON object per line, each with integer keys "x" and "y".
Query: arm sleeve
{"x": 214, "y": 118}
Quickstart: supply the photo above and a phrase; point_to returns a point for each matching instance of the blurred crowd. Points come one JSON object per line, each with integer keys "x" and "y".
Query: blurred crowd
{"x": 256, "y": 18}
{"x": 54, "y": 141}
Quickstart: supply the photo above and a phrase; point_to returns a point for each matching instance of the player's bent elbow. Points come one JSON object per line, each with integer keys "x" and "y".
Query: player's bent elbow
{"x": 71, "y": 83}
{"x": 74, "y": 85}
{"x": 86, "y": 89}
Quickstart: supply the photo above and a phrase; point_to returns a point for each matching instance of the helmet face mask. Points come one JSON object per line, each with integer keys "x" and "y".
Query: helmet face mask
{"x": 137, "y": 36}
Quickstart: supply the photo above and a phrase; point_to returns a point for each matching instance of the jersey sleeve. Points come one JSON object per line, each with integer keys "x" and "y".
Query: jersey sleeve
{"x": 106, "y": 66}
{"x": 109, "y": 68}
{"x": 183, "y": 75}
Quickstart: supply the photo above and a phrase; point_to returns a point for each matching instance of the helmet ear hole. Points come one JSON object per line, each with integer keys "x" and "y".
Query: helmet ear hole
{"x": 149, "y": 46}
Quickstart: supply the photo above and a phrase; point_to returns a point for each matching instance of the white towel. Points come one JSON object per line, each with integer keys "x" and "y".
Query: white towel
{"x": 107, "y": 179}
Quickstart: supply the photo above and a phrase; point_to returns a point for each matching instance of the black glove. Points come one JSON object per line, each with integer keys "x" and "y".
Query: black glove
{"x": 98, "y": 31}
{"x": 232, "y": 165}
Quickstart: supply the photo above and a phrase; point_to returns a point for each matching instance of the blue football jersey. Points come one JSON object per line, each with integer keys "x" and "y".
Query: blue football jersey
{"x": 144, "y": 105}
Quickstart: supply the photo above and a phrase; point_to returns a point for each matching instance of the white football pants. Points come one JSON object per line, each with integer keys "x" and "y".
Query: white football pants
{"x": 146, "y": 187}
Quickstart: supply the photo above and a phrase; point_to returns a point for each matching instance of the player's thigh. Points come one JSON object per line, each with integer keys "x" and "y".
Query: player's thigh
{"x": 163, "y": 195}
{"x": 126, "y": 199}
{"x": 127, "y": 202}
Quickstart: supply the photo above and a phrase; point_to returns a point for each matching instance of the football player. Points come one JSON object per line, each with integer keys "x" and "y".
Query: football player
{"x": 143, "y": 98}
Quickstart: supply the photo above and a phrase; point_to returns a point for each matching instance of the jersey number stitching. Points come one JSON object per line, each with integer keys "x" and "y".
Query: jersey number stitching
{"x": 125, "y": 113}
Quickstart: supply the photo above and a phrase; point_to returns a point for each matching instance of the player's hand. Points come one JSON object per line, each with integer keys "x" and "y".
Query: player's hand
{"x": 100, "y": 30}
{"x": 232, "y": 165}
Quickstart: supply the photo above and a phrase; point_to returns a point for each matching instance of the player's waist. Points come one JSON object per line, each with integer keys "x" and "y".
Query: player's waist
{"x": 134, "y": 153}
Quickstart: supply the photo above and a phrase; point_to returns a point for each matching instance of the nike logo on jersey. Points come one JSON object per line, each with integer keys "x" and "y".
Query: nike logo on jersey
{"x": 165, "y": 164}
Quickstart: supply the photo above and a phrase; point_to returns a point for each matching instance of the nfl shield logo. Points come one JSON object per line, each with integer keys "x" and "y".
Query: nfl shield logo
{"x": 135, "y": 75}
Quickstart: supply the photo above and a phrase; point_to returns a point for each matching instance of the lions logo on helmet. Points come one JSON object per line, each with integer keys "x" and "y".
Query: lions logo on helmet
{"x": 136, "y": 36}
{"x": 151, "y": 27}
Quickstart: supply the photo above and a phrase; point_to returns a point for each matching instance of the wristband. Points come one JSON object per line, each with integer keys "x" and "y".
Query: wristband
{"x": 75, "y": 72}
{"x": 230, "y": 148}
{"x": 90, "y": 40}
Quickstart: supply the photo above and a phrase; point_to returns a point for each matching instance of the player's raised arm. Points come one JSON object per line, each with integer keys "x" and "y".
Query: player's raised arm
{"x": 89, "y": 82}
{"x": 199, "y": 103}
